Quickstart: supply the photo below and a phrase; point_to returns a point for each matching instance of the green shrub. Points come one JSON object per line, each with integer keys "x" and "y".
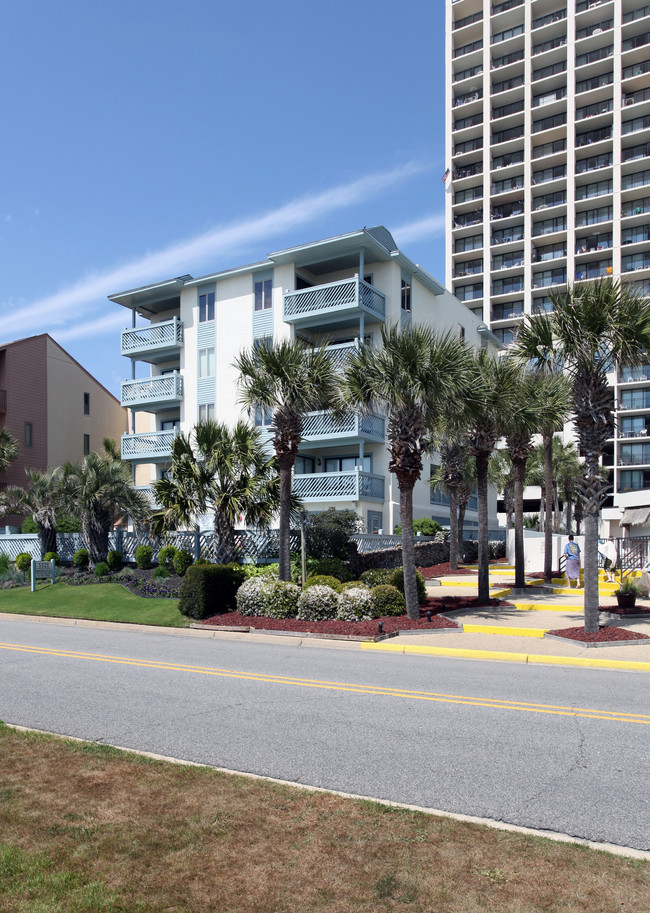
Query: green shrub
{"x": 4, "y": 563}
{"x": 323, "y": 580}
{"x": 29, "y": 526}
{"x": 144, "y": 557}
{"x": 261, "y": 570}
{"x": 328, "y": 533}
{"x": 209, "y": 589}
{"x": 166, "y": 556}
{"x": 182, "y": 560}
{"x": 423, "y": 525}
{"x": 49, "y": 555}
{"x": 282, "y": 599}
{"x": 318, "y": 603}
{"x": 332, "y": 567}
{"x": 68, "y": 524}
{"x": 356, "y": 604}
{"x": 114, "y": 559}
{"x": 101, "y": 569}
{"x": 353, "y": 584}
{"x": 377, "y": 576}
{"x": 397, "y": 579}
{"x": 161, "y": 571}
{"x": 81, "y": 558}
{"x": 387, "y": 600}
{"x": 23, "y": 562}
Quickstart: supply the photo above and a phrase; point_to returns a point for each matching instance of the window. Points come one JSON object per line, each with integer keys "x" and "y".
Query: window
{"x": 206, "y": 307}
{"x": 28, "y": 434}
{"x": 461, "y": 331}
{"x": 263, "y": 416}
{"x": 206, "y": 414}
{"x": 304, "y": 466}
{"x": 86, "y": 444}
{"x": 263, "y": 294}
{"x": 406, "y": 295}
{"x": 347, "y": 464}
{"x": 170, "y": 424}
{"x": 207, "y": 362}
{"x": 86, "y": 403}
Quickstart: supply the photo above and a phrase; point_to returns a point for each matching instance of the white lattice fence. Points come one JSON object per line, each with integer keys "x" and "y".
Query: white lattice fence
{"x": 14, "y": 545}
{"x": 167, "y": 386}
{"x": 152, "y": 443}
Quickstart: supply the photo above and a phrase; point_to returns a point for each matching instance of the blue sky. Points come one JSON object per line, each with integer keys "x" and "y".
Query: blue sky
{"x": 151, "y": 138}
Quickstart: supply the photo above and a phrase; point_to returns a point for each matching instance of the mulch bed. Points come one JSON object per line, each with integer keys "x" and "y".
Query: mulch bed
{"x": 443, "y": 570}
{"x": 606, "y": 634}
{"x": 356, "y": 628}
{"x": 617, "y": 610}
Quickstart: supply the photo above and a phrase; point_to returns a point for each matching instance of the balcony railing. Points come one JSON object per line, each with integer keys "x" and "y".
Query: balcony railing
{"x": 329, "y": 303}
{"x": 156, "y": 341}
{"x": 151, "y": 447}
{"x": 324, "y": 426}
{"x": 153, "y": 393}
{"x": 339, "y": 486}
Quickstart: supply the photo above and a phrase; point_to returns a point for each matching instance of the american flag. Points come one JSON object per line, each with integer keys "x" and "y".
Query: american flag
{"x": 445, "y": 176}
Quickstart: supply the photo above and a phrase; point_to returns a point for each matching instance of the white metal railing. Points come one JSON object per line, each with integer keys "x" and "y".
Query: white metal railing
{"x": 339, "y": 486}
{"x": 165, "y": 335}
{"x": 153, "y": 444}
{"x": 325, "y": 425}
{"x": 152, "y": 389}
{"x": 344, "y": 295}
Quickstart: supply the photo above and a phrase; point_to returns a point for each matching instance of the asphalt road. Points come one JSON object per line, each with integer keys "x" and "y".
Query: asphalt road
{"x": 554, "y": 748}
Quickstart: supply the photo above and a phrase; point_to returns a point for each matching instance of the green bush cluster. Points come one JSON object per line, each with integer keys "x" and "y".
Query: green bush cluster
{"x": 4, "y": 563}
{"x": 377, "y": 575}
{"x": 182, "y": 561}
{"x": 166, "y": 557}
{"x": 388, "y": 600}
{"x": 114, "y": 559}
{"x": 23, "y": 562}
{"x": 101, "y": 569}
{"x": 81, "y": 558}
{"x": 323, "y": 580}
{"x": 209, "y": 589}
{"x": 397, "y": 579}
{"x": 423, "y": 525}
{"x": 161, "y": 571}
{"x": 318, "y": 603}
{"x": 49, "y": 555}
{"x": 356, "y": 604}
{"x": 144, "y": 557}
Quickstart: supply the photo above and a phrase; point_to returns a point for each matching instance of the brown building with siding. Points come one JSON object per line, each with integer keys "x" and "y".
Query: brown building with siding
{"x": 54, "y": 408}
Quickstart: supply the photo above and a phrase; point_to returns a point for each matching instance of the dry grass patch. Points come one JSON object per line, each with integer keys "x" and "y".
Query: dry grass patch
{"x": 88, "y": 829}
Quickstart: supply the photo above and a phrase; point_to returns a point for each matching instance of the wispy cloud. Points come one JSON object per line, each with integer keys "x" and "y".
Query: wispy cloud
{"x": 419, "y": 230}
{"x": 79, "y": 300}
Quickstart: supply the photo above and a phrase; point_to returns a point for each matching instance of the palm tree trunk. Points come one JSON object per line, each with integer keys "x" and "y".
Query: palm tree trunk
{"x": 519, "y": 470}
{"x": 548, "y": 521}
{"x": 568, "y": 499}
{"x": 46, "y": 539}
{"x": 453, "y": 528}
{"x": 284, "y": 571}
{"x": 408, "y": 550}
{"x": 556, "y": 507}
{"x": 225, "y": 547}
{"x": 482, "y": 460}
{"x": 592, "y": 607}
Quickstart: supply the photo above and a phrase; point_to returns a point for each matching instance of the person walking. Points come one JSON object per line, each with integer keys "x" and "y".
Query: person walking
{"x": 572, "y": 569}
{"x": 611, "y": 557}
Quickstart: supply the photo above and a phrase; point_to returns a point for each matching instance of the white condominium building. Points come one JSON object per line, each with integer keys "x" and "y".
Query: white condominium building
{"x": 548, "y": 148}
{"x": 187, "y": 332}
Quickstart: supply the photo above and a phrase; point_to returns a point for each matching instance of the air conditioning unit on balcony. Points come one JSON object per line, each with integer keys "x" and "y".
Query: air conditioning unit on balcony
{"x": 597, "y": 32}
{"x": 629, "y": 101}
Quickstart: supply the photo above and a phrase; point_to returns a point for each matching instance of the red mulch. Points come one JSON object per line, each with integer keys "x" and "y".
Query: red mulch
{"x": 617, "y": 610}
{"x": 606, "y": 634}
{"x": 357, "y": 628}
{"x": 443, "y": 570}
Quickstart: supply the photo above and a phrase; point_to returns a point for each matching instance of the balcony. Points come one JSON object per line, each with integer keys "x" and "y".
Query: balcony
{"x": 150, "y": 495}
{"x": 323, "y": 428}
{"x": 337, "y": 304}
{"x": 154, "y": 343}
{"x": 152, "y": 447}
{"x": 153, "y": 394}
{"x": 339, "y": 486}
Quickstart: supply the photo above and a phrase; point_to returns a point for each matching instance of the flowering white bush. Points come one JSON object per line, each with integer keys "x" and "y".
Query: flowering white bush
{"x": 318, "y": 603}
{"x": 253, "y": 596}
{"x": 282, "y": 600}
{"x": 355, "y": 604}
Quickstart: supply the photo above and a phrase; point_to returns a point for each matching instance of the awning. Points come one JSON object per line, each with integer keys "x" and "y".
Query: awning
{"x": 635, "y": 516}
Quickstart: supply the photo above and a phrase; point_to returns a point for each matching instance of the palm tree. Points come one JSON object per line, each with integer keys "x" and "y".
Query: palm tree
{"x": 567, "y": 473}
{"x": 501, "y": 475}
{"x": 542, "y": 402}
{"x": 593, "y": 327}
{"x": 495, "y": 389}
{"x": 99, "y": 491}
{"x": 413, "y": 378}
{"x": 41, "y": 500}
{"x": 8, "y": 449}
{"x": 227, "y": 472}
{"x": 451, "y": 476}
{"x": 287, "y": 379}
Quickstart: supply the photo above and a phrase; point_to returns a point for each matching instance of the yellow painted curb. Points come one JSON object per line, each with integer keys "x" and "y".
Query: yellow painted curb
{"x": 497, "y": 594}
{"x": 501, "y": 629}
{"x": 541, "y": 607}
{"x": 622, "y": 664}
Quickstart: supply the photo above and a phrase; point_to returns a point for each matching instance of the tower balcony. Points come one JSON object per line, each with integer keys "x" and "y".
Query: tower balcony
{"x": 153, "y": 394}
{"x": 355, "y": 485}
{"x": 323, "y": 428}
{"x": 151, "y": 447}
{"x": 336, "y": 304}
{"x": 154, "y": 343}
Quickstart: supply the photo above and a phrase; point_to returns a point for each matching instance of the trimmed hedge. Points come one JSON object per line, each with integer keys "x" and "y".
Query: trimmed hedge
{"x": 209, "y": 589}
{"x": 397, "y": 579}
{"x": 388, "y": 600}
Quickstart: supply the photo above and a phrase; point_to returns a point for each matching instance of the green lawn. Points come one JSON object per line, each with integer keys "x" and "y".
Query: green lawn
{"x": 97, "y": 602}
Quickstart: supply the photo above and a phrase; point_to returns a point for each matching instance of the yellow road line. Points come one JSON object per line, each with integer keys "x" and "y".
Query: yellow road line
{"x": 612, "y": 716}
